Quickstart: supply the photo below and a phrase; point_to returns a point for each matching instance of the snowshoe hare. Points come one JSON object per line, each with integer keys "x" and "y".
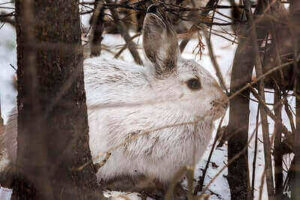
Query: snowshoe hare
{"x": 153, "y": 119}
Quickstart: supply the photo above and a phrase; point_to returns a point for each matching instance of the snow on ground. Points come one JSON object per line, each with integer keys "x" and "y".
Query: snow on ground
{"x": 7, "y": 58}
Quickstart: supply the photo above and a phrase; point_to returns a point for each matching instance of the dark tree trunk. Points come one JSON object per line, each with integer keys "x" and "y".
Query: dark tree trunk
{"x": 97, "y": 23}
{"x": 52, "y": 114}
{"x": 277, "y": 154}
{"x": 238, "y": 171}
{"x": 295, "y": 30}
{"x": 296, "y": 178}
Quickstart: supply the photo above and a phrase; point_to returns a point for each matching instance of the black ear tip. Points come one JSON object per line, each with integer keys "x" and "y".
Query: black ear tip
{"x": 152, "y": 9}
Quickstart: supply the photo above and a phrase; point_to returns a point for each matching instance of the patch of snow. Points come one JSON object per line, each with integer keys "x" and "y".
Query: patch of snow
{"x": 5, "y": 193}
{"x": 115, "y": 195}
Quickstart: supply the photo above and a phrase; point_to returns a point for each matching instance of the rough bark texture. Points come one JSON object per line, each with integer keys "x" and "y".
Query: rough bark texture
{"x": 52, "y": 120}
{"x": 238, "y": 171}
{"x": 277, "y": 154}
{"x": 295, "y": 27}
{"x": 97, "y": 22}
{"x": 296, "y": 182}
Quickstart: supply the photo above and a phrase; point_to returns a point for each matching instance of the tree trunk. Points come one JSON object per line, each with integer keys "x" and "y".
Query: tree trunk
{"x": 295, "y": 29}
{"x": 52, "y": 114}
{"x": 97, "y": 23}
{"x": 277, "y": 154}
{"x": 238, "y": 171}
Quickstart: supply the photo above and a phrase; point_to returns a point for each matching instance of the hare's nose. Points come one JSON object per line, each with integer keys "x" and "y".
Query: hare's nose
{"x": 222, "y": 102}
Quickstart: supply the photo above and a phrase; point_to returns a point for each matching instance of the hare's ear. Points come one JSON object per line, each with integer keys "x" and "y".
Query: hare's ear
{"x": 160, "y": 42}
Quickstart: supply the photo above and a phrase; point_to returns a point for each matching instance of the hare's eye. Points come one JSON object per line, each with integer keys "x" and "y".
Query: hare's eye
{"x": 194, "y": 84}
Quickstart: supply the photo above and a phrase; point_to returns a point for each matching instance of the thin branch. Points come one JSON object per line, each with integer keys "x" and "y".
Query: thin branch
{"x": 277, "y": 153}
{"x": 214, "y": 61}
{"x": 210, "y": 4}
{"x": 236, "y": 156}
{"x": 125, "y": 34}
{"x": 289, "y": 114}
{"x": 265, "y": 128}
{"x": 255, "y": 154}
{"x": 199, "y": 186}
{"x": 269, "y": 112}
{"x": 6, "y": 18}
{"x": 229, "y": 162}
{"x": 261, "y": 77}
{"x": 125, "y": 46}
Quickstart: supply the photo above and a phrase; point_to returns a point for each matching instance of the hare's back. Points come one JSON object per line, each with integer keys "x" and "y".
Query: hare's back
{"x": 112, "y": 77}
{"x": 112, "y": 72}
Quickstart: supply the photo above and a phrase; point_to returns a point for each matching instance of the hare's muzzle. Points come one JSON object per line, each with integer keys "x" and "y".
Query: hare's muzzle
{"x": 219, "y": 106}
{"x": 223, "y": 103}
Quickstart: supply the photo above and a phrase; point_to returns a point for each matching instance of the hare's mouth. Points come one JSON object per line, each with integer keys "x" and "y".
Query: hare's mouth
{"x": 218, "y": 109}
{"x": 218, "y": 112}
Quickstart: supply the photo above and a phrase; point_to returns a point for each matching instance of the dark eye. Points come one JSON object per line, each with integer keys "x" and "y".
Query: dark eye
{"x": 194, "y": 84}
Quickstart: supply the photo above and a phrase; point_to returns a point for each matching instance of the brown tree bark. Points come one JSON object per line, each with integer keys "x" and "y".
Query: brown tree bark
{"x": 278, "y": 159}
{"x": 295, "y": 31}
{"x": 238, "y": 171}
{"x": 296, "y": 178}
{"x": 52, "y": 114}
{"x": 97, "y": 23}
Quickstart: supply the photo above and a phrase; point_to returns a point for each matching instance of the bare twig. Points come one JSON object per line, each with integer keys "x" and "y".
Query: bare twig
{"x": 126, "y": 46}
{"x": 124, "y": 32}
{"x": 269, "y": 112}
{"x": 261, "y": 77}
{"x": 259, "y": 72}
{"x": 255, "y": 154}
{"x": 229, "y": 162}
{"x": 237, "y": 155}
{"x": 265, "y": 128}
{"x": 214, "y": 61}
{"x": 6, "y": 18}
{"x": 199, "y": 185}
{"x": 210, "y": 4}
{"x": 277, "y": 141}
{"x": 289, "y": 114}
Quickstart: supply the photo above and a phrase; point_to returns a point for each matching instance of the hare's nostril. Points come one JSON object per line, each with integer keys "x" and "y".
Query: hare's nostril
{"x": 220, "y": 103}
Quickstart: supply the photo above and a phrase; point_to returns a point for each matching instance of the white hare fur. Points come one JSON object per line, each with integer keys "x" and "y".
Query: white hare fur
{"x": 125, "y": 100}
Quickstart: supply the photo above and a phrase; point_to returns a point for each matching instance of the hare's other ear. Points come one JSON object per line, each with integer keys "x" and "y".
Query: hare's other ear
{"x": 160, "y": 42}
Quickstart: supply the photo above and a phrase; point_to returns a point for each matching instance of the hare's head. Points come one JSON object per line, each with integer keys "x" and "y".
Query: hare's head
{"x": 178, "y": 76}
